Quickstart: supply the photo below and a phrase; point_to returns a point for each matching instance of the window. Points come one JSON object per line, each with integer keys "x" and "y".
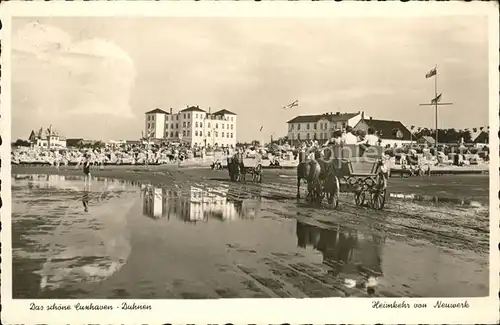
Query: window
{"x": 209, "y": 125}
{"x": 166, "y": 126}
{"x": 298, "y": 136}
{"x": 201, "y": 133}
{"x": 216, "y": 125}
{"x": 208, "y": 133}
{"x": 177, "y": 134}
{"x": 315, "y": 126}
{"x": 177, "y": 117}
{"x": 201, "y": 124}
{"x": 183, "y": 124}
{"x": 290, "y": 127}
{"x": 171, "y": 134}
{"x": 222, "y": 125}
{"x": 196, "y": 133}
{"x": 231, "y": 135}
{"x": 222, "y": 134}
{"x": 308, "y": 137}
{"x": 172, "y": 125}
{"x": 188, "y": 115}
{"x": 298, "y": 126}
{"x": 184, "y": 115}
{"x": 176, "y": 125}
{"x": 232, "y": 126}
{"x": 196, "y": 124}
{"x": 343, "y": 124}
{"x": 307, "y": 127}
{"x": 196, "y": 116}
{"x": 216, "y": 134}
{"x": 188, "y": 133}
{"x": 183, "y": 133}
{"x": 231, "y": 118}
{"x": 189, "y": 124}
{"x": 166, "y": 117}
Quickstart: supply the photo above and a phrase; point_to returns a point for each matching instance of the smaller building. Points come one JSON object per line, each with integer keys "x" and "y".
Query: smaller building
{"x": 392, "y": 133}
{"x": 426, "y": 140}
{"x": 49, "y": 139}
{"x": 482, "y": 139}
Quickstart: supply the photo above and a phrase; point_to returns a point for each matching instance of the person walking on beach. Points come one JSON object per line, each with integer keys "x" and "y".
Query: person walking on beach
{"x": 86, "y": 169}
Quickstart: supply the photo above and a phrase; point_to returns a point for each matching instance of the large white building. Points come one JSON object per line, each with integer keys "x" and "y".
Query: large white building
{"x": 192, "y": 125}
{"x": 320, "y": 127}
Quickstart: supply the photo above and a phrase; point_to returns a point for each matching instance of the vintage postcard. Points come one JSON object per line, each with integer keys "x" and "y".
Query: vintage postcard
{"x": 249, "y": 163}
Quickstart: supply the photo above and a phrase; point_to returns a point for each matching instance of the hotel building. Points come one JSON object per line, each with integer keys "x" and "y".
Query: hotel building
{"x": 320, "y": 127}
{"x": 192, "y": 125}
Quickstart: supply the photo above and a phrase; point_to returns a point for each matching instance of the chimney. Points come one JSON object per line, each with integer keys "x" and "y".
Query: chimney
{"x": 209, "y": 110}
{"x": 338, "y": 113}
{"x": 370, "y": 118}
{"x": 362, "y": 115}
{"x": 170, "y": 110}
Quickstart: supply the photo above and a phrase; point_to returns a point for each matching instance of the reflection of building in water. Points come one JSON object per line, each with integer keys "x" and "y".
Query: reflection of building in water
{"x": 346, "y": 251}
{"x": 154, "y": 205}
{"x": 196, "y": 205}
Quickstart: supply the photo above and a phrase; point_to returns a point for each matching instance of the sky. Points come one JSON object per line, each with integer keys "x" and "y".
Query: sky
{"x": 95, "y": 78}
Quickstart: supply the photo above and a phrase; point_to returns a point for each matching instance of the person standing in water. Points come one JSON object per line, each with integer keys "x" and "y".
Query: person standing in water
{"x": 86, "y": 169}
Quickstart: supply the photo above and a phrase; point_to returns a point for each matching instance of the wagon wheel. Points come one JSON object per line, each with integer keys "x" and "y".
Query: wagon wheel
{"x": 378, "y": 199}
{"x": 359, "y": 197}
{"x": 379, "y": 193}
{"x": 332, "y": 193}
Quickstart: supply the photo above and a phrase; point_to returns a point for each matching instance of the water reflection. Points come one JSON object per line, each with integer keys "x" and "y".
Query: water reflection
{"x": 348, "y": 252}
{"x": 436, "y": 199}
{"x": 70, "y": 182}
{"x": 200, "y": 203}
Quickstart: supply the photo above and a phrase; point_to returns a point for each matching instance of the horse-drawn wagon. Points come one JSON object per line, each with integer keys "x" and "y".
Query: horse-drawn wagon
{"x": 239, "y": 166}
{"x": 356, "y": 169}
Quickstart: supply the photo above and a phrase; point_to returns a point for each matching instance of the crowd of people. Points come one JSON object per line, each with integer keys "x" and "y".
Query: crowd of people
{"x": 167, "y": 153}
{"x": 108, "y": 155}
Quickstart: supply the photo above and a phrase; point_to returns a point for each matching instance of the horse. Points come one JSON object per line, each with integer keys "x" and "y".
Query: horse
{"x": 310, "y": 172}
{"x": 235, "y": 167}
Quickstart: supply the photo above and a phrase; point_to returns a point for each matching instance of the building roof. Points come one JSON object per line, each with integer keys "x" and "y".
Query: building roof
{"x": 428, "y": 139}
{"x": 329, "y": 116}
{"x": 482, "y": 137}
{"x": 193, "y": 109}
{"x": 388, "y": 129}
{"x": 157, "y": 111}
{"x": 224, "y": 112}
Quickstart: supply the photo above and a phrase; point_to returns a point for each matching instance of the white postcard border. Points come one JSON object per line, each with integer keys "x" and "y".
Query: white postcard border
{"x": 243, "y": 311}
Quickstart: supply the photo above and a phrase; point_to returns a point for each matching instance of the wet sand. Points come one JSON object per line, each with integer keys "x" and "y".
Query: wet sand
{"x": 189, "y": 233}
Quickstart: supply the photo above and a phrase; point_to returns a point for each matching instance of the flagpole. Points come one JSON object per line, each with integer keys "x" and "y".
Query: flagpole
{"x": 436, "y": 110}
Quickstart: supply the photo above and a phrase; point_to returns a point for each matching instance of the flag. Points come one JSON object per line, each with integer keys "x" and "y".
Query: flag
{"x": 261, "y": 128}
{"x": 293, "y": 104}
{"x": 431, "y": 73}
{"x": 436, "y": 100}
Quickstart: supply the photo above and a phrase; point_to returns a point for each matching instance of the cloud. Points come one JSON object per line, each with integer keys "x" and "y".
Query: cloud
{"x": 54, "y": 74}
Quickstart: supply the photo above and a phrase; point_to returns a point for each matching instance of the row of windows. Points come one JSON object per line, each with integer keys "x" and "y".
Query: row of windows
{"x": 314, "y": 136}
{"x": 200, "y": 133}
{"x": 322, "y": 126}
{"x": 188, "y": 124}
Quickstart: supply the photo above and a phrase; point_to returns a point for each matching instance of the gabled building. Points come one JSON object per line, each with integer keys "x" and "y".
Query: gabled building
{"x": 483, "y": 138}
{"x": 391, "y": 132}
{"x": 192, "y": 125}
{"x": 48, "y": 139}
{"x": 320, "y": 127}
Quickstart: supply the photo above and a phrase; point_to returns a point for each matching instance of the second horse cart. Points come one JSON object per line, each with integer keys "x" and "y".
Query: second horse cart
{"x": 354, "y": 169}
